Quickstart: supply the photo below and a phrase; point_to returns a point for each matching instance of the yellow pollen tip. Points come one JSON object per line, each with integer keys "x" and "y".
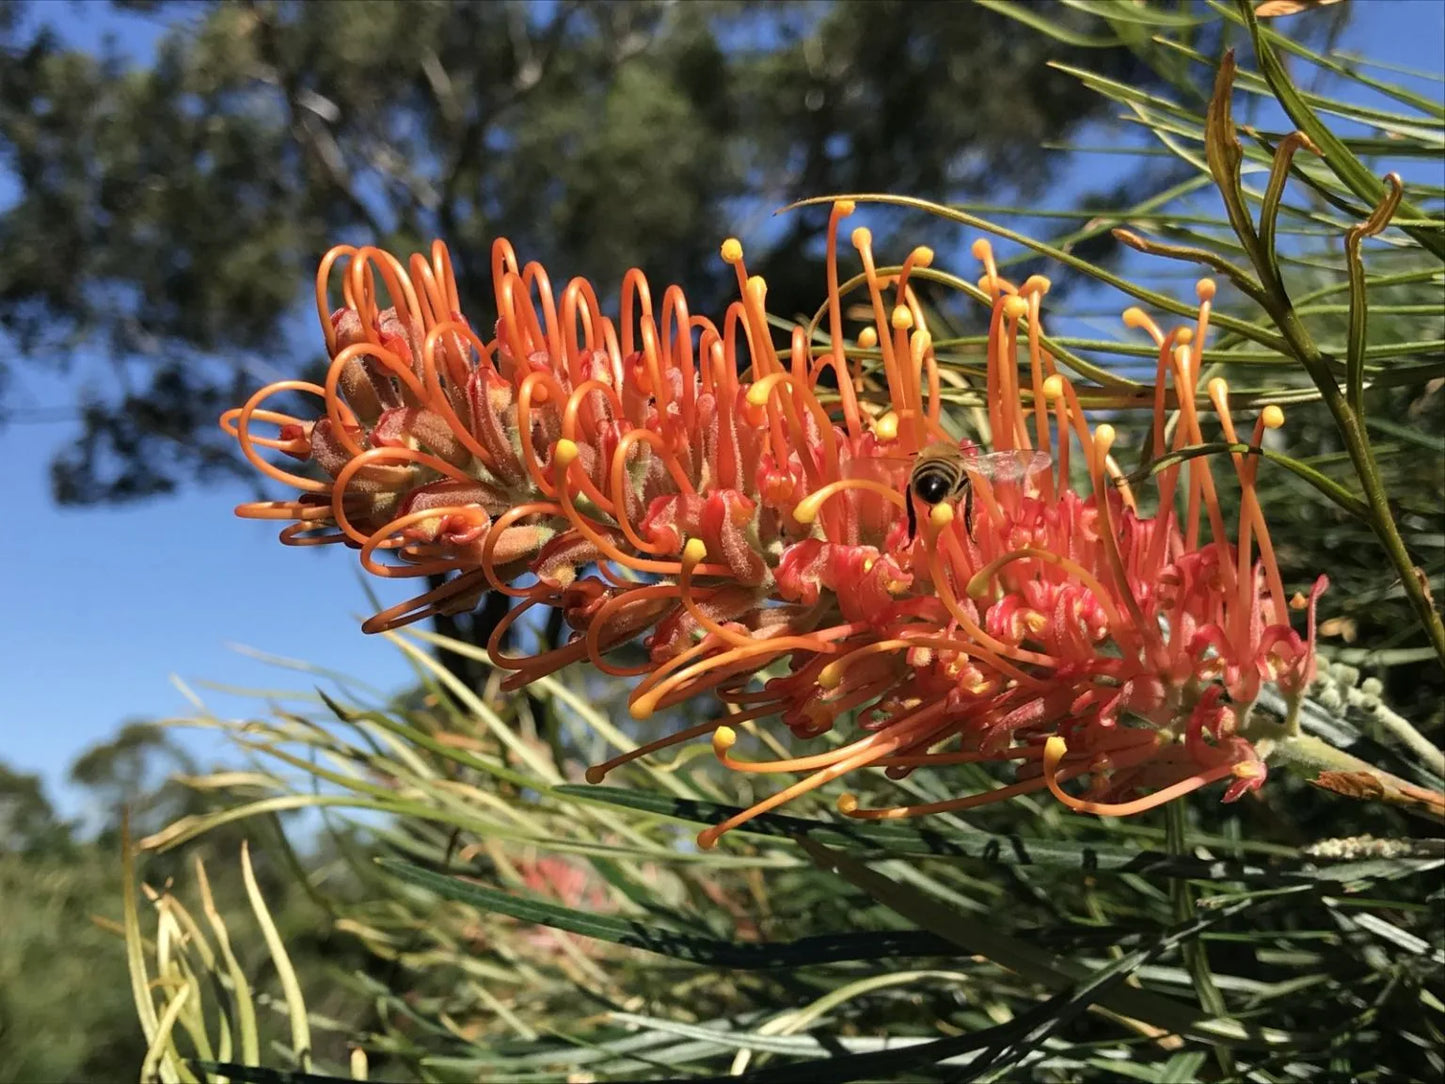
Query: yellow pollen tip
{"x": 1247, "y": 770}
{"x": 1218, "y": 387}
{"x": 981, "y": 249}
{"x": 1272, "y": 416}
{"x": 868, "y": 563}
{"x": 1055, "y": 750}
{"x": 806, "y": 510}
{"x": 694, "y": 552}
{"x": 923, "y": 256}
{"x": 1036, "y": 284}
{"x": 1054, "y": 386}
{"x": 1015, "y": 307}
{"x": 757, "y": 395}
{"x": 867, "y": 338}
{"x": 847, "y": 804}
{"x": 902, "y": 319}
{"x": 757, "y": 285}
{"x": 845, "y": 207}
{"x": 886, "y": 427}
{"x": 1104, "y": 437}
{"x": 732, "y": 250}
{"x": 640, "y": 709}
{"x": 565, "y": 452}
{"x": 830, "y": 677}
{"x": 1134, "y": 316}
{"x": 941, "y": 515}
{"x": 862, "y": 237}
{"x": 1205, "y": 288}
{"x": 723, "y": 739}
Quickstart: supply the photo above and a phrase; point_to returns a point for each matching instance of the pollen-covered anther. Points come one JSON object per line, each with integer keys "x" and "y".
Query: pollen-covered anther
{"x": 723, "y": 739}
{"x": 1015, "y": 307}
{"x": 923, "y": 256}
{"x": 941, "y": 515}
{"x": 847, "y": 804}
{"x": 1205, "y": 289}
{"x": 862, "y": 238}
{"x": 694, "y": 553}
{"x": 868, "y": 339}
{"x": 565, "y": 452}
{"x": 732, "y": 250}
{"x": 1272, "y": 416}
{"x": 885, "y": 427}
{"x": 1054, "y": 387}
{"x": 902, "y": 318}
{"x": 1104, "y": 437}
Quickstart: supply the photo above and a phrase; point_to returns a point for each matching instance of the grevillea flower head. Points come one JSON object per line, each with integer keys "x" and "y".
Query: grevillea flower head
{"x": 744, "y": 512}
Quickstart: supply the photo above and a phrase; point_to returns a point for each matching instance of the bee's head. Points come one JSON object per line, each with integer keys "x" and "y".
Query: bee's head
{"x": 932, "y": 487}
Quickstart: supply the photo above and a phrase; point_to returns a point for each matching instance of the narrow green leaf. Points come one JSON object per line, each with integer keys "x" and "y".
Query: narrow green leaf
{"x": 891, "y": 841}
{"x": 1059, "y": 973}
{"x": 1160, "y": 301}
{"x": 243, "y": 1007}
{"x": 1333, "y": 63}
{"x": 1141, "y": 14}
{"x": 256, "y": 1074}
{"x": 1337, "y": 493}
{"x": 1342, "y": 162}
{"x": 1359, "y": 301}
{"x": 705, "y": 951}
{"x": 290, "y": 985}
{"x": 1033, "y": 17}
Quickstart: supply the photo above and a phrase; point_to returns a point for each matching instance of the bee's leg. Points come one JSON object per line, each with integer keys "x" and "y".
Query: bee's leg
{"x": 912, "y": 515}
{"x": 968, "y": 510}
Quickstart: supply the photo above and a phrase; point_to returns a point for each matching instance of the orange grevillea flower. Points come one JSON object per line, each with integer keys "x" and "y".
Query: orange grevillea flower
{"x": 742, "y": 510}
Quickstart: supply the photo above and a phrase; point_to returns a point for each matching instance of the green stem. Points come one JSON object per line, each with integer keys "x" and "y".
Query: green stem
{"x": 1334, "y": 769}
{"x": 1362, "y": 457}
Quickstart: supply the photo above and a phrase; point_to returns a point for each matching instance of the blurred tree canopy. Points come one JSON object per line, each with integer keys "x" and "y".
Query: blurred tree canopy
{"x": 170, "y": 215}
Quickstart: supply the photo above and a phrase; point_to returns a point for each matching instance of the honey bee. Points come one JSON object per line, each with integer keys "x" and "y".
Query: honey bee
{"x": 942, "y": 472}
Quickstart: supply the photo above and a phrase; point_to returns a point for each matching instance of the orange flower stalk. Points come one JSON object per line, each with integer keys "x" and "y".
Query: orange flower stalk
{"x": 745, "y": 512}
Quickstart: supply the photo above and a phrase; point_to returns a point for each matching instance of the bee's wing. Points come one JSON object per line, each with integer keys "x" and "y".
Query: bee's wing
{"x": 888, "y": 469}
{"x": 1007, "y": 466}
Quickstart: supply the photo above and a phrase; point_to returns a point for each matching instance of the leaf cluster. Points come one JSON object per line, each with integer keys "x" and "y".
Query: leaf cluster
{"x": 535, "y": 929}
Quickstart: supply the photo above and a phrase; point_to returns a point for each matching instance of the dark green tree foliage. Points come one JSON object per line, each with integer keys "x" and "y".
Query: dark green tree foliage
{"x": 172, "y": 214}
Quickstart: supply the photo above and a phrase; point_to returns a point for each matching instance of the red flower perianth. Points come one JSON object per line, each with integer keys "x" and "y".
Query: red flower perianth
{"x": 666, "y": 479}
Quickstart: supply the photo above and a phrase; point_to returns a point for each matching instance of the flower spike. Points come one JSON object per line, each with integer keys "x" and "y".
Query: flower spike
{"x": 744, "y": 514}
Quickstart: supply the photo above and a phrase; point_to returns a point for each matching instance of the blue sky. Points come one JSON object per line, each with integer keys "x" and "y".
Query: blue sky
{"x": 109, "y": 603}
